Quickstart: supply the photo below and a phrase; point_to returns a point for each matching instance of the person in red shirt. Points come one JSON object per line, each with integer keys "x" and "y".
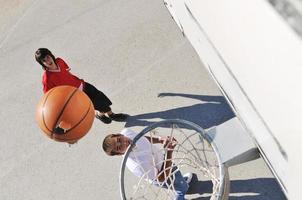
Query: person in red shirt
{"x": 57, "y": 72}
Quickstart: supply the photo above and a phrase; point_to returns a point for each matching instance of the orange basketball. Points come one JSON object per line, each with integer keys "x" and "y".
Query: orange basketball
{"x": 65, "y": 114}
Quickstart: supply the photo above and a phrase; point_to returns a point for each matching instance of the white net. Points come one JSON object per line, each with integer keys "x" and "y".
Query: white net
{"x": 192, "y": 153}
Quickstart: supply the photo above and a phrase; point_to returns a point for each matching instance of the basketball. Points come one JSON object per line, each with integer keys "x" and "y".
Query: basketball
{"x": 65, "y": 114}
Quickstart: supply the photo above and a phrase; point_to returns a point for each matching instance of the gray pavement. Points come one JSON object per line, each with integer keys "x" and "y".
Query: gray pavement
{"x": 134, "y": 53}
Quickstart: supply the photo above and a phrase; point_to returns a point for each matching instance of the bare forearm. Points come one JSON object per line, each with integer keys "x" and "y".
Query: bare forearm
{"x": 169, "y": 144}
{"x": 166, "y": 169}
{"x": 155, "y": 139}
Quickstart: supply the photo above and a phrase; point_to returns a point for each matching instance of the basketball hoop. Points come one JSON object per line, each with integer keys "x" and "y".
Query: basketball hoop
{"x": 194, "y": 153}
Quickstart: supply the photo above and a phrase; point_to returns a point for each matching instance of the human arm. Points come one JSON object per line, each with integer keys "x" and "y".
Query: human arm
{"x": 47, "y": 83}
{"x": 156, "y": 139}
{"x": 63, "y": 64}
{"x": 147, "y": 160}
{"x": 169, "y": 145}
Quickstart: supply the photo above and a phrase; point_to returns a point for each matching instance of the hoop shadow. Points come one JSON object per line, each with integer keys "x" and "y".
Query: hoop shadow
{"x": 213, "y": 111}
{"x": 250, "y": 189}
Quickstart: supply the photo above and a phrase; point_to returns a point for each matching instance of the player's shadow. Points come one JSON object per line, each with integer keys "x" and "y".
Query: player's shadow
{"x": 211, "y": 111}
{"x": 250, "y": 189}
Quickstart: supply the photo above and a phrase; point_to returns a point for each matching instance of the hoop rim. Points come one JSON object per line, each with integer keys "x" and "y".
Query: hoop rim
{"x": 198, "y": 129}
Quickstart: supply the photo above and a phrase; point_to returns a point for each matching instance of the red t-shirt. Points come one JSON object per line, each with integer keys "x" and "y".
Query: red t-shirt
{"x": 62, "y": 76}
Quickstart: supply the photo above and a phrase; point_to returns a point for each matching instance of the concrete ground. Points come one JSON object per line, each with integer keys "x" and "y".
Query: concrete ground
{"x": 132, "y": 51}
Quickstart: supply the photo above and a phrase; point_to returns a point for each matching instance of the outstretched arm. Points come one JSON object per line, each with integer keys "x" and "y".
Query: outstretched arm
{"x": 194, "y": 96}
{"x": 169, "y": 145}
{"x": 156, "y": 139}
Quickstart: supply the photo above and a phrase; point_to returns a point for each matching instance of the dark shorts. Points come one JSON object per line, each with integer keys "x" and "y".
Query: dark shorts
{"x": 100, "y": 101}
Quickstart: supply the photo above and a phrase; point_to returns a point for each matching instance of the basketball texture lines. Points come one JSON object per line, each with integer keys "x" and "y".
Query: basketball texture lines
{"x": 65, "y": 114}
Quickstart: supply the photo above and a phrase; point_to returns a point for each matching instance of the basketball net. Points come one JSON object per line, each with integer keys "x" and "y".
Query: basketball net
{"x": 193, "y": 153}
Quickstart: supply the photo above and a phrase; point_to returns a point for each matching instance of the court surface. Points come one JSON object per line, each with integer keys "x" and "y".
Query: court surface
{"x": 133, "y": 52}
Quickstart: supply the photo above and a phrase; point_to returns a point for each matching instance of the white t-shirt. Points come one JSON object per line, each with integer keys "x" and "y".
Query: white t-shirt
{"x": 146, "y": 159}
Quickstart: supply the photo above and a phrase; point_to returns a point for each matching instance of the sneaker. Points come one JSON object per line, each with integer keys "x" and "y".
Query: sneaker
{"x": 104, "y": 119}
{"x": 120, "y": 117}
{"x": 188, "y": 177}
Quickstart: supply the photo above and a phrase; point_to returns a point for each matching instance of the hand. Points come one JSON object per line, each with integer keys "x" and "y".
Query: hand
{"x": 62, "y": 128}
{"x": 169, "y": 143}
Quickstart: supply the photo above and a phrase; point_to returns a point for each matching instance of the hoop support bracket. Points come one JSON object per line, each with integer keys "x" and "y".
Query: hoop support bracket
{"x": 233, "y": 142}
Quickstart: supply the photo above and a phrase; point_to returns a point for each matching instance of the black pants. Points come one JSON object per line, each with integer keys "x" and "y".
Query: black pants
{"x": 99, "y": 100}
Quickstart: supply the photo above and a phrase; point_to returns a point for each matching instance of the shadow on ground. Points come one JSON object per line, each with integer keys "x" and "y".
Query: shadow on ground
{"x": 250, "y": 189}
{"x": 212, "y": 111}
